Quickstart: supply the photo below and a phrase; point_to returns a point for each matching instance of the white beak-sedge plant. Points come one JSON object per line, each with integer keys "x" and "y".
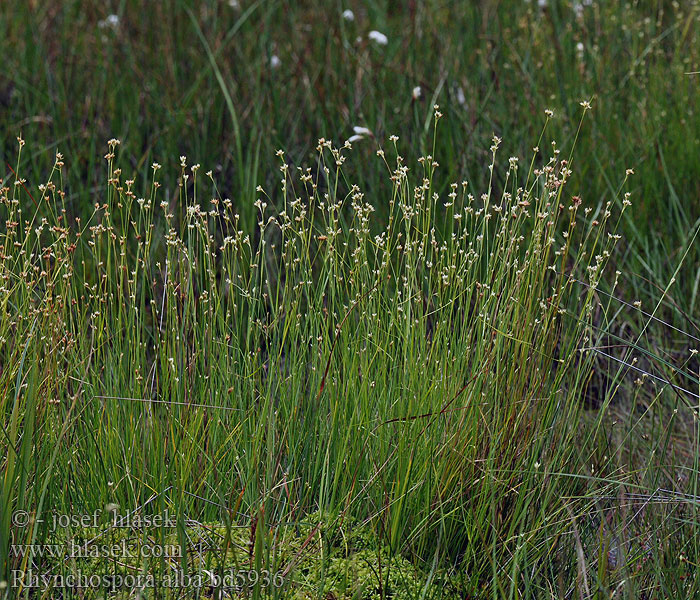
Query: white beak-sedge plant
{"x": 419, "y": 377}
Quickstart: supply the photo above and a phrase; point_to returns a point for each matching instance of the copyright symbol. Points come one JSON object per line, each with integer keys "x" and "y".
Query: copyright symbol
{"x": 20, "y": 518}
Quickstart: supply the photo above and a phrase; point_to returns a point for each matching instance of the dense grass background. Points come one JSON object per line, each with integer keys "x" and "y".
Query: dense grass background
{"x": 577, "y": 480}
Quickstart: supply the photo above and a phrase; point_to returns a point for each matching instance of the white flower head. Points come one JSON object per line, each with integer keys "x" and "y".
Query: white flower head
{"x": 112, "y": 21}
{"x": 275, "y": 62}
{"x": 379, "y": 37}
{"x": 348, "y": 15}
{"x": 461, "y": 98}
{"x": 362, "y": 131}
{"x": 360, "y": 134}
{"x": 417, "y": 92}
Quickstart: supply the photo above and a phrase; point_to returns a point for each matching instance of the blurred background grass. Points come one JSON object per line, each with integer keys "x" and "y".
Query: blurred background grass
{"x": 227, "y": 83}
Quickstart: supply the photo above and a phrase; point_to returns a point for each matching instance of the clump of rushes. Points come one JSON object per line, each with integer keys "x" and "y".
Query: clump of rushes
{"x": 420, "y": 377}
